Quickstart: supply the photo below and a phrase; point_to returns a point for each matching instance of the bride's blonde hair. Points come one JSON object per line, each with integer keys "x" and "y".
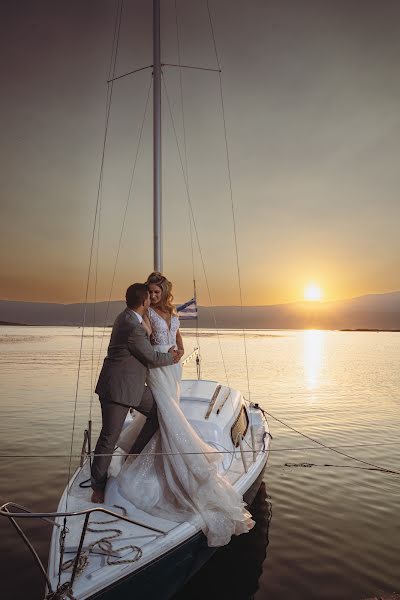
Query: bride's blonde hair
{"x": 162, "y": 282}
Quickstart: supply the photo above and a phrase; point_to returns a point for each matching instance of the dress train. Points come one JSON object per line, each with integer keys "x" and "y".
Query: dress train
{"x": 176, "y": 475}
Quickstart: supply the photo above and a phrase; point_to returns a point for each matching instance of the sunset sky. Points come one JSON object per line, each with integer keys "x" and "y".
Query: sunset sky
{"x": 312, "y": 105}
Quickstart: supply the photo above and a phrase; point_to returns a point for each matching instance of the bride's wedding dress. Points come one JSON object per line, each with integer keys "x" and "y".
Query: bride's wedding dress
{"x": 176, "y": 475}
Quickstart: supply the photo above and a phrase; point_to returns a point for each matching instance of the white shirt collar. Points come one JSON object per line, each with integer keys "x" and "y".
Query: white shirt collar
{"x": 140, "y": 318}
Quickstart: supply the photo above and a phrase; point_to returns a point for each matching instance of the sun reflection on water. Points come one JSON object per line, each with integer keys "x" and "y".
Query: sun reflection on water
{"x": 313, "y": 353}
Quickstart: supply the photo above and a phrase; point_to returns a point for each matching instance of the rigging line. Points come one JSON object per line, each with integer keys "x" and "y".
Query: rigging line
{"x": 198, "y": 357}
{"x": 130, "y": 73}
{"x": 95, "y": 299}
{"x": 108, "y": 102}
{"x": 125, "y": 455}
{"x": 309, "y": 465}
{"x": 231, "y": 198}
{"x": 111, "y": 73}
{"x": 122, "y": 229}
{"x": 271, "y": 450}
{"x": 186, "y": 168}
{"x": 372, "y": 445}
{"x": 183, "y": 112}
{"x": 232, "y": 208}
{"x": 189, "y": 67}
{"x": 111, "y": 69}
{"x": 196, "y": 232}
{"x": 329, "y": 447}
{"x": 197, "y": 236}
{"x": 299, "y": 449}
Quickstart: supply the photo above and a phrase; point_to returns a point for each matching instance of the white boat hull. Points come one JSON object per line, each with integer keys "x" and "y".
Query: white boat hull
{"x": 169, "y": 558}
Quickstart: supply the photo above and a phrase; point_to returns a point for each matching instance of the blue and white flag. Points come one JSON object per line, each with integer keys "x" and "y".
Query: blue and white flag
{"x": 188, "y": 310}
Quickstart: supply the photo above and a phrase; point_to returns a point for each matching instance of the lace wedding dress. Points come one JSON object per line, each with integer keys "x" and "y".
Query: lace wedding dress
{"x": 176, "y": 475}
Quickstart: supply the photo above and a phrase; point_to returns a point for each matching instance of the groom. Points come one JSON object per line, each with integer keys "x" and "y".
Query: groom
{"x": 121, "y": 383}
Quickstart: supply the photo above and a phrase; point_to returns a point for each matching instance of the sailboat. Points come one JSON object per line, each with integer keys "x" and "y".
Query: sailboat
{"x": 117, "y": 550}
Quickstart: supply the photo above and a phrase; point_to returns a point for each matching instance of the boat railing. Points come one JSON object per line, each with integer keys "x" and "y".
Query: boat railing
{"x": 86, "y": 444}
{"x": 195, "y": 353}
{"x": 7, "y": 510}
{"x": 64, "y": 590}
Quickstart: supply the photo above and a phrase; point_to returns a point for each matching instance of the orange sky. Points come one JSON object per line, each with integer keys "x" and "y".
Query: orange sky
{"x": 311, "y": 102}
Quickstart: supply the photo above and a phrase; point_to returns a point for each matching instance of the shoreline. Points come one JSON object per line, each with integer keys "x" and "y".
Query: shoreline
{"x": 10, "y": 324}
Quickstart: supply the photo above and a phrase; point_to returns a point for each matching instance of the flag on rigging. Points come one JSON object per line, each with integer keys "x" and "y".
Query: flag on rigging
{"x": 188, "y": 310}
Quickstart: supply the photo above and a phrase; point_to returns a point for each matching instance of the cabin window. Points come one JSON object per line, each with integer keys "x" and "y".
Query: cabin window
{"x": 240, "y": 426}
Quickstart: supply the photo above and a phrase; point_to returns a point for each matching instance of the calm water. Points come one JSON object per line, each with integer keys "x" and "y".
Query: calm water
{"x": 328, "y": 528}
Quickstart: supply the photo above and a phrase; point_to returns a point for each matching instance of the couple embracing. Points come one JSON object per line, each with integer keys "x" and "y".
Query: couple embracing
{"x": 170, "y": 471}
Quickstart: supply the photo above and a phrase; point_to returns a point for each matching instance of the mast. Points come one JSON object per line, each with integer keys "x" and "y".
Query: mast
{"x": 157, "y": 220}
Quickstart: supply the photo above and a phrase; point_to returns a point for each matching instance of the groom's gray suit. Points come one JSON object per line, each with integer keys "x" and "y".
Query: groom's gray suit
{"x": 121, "y": 385}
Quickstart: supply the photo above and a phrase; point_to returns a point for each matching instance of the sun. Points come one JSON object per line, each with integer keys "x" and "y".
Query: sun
{"x": 312, "y": 292}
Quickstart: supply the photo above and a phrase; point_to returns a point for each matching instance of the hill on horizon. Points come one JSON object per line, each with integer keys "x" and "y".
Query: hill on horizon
{"x": 372, "y": 311}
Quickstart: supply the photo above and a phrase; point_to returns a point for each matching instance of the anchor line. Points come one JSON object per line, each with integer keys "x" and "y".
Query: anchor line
{"x": 332, "y": 448}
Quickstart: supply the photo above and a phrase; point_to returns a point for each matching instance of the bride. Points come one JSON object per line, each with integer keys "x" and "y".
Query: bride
{"x": 176, "y": 475}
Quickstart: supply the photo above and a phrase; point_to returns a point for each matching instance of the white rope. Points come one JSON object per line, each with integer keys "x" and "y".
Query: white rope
{"x": 105, "y": 545}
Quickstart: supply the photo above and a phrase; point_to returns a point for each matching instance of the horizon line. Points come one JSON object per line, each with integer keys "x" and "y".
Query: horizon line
{"x": 302, "y": 301}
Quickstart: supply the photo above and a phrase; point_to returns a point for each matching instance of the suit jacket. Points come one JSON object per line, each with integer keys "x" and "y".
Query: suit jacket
{"x": 129, "y": 355}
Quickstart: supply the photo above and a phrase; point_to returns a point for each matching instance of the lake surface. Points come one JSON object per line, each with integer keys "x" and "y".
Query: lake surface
{"x": 328, "y": 527}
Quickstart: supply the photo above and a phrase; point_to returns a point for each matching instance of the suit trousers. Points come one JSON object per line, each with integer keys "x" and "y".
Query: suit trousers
{"x": 113, "y": 417}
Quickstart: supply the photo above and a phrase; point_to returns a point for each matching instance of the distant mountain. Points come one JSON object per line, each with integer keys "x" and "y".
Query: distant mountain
{"x": 41, "y": 313}
{"x": 389, "y": 302}
{"x": 374, "y": 311}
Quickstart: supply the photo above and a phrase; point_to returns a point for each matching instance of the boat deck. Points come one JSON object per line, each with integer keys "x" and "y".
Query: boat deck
{"x": 139, "y": 544}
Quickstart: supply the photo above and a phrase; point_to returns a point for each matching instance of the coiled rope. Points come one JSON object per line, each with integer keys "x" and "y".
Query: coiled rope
{"x": 105, "y": 545}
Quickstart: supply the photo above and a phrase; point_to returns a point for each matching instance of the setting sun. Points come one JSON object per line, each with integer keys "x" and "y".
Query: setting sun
{"x": 312, "y": 292}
